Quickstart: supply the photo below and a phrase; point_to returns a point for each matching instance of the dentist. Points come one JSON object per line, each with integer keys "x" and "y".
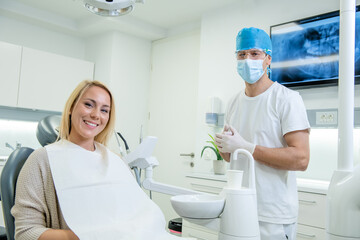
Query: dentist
{"x": 270, "y": 121}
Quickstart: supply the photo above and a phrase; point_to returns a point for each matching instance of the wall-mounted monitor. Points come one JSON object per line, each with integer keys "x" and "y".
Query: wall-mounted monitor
{"x": 306, "y": 51}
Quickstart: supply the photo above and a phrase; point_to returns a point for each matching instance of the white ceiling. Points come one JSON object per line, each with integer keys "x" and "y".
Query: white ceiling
{"x": 152, "y": 20}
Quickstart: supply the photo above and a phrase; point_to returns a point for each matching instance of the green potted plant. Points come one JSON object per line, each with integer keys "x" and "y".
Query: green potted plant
{"x": 218, "y": 163}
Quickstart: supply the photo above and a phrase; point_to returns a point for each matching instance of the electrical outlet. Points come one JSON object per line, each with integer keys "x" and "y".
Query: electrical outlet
{"x": 326, "y": 118}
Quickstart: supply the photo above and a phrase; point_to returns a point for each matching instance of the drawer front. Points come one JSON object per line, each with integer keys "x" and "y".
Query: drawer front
{"x": 310, "y": 233}
{"x": 312, "y": 209}
{"x": 207, "y": 185}
{"x": 198, "y": 232}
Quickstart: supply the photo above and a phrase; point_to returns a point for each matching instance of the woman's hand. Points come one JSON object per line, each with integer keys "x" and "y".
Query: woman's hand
{"x": 58, "y": 234}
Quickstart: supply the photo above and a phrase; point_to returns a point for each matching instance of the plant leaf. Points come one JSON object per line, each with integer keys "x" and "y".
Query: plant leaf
{"x": 218, "y": 156}
{"x": 213, "y": 147}
{"x": 211, "y": 137}
{"x": 206, "y": 148}
{"x": 213, "y": 142}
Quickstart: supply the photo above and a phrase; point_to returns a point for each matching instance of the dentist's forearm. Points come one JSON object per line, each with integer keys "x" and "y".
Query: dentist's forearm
{"x": 288, "y": 158}
{"x": 58, "y": 234}
{"x": 293, "y": 157}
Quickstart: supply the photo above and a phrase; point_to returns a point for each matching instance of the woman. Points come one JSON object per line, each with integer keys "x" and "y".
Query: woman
{"x": 88, "y": 117}
{"x": 76, "y": 188}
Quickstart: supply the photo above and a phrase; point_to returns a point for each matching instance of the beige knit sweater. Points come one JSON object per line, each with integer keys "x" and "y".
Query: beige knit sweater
{"x": 36, "y": 205}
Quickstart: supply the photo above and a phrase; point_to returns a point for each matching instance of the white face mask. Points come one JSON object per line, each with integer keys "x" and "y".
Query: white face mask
{"x": 250, "y": 70}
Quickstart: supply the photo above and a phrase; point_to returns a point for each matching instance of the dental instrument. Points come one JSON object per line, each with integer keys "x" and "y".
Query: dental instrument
{"x": 122, "y": 153}
{"x": 126, "y": 145}
{"x": 134, "y": 168}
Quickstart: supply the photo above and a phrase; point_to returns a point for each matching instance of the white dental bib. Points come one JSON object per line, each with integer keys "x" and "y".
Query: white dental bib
{"x": 99, "y": 197}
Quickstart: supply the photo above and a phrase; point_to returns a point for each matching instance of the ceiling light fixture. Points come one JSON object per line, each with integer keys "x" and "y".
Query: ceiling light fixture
{"x": 110, "y": 8}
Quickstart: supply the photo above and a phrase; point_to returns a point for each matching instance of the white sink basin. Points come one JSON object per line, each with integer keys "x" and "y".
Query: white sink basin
{"x": 198, "y": 206}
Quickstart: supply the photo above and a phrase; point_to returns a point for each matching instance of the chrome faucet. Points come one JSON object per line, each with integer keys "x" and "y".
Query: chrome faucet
{"x": 9, "y": 146}
{"x": 18, "y": 145}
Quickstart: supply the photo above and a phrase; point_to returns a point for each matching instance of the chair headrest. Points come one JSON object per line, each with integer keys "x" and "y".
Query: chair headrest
{"x": 48, "y": 129}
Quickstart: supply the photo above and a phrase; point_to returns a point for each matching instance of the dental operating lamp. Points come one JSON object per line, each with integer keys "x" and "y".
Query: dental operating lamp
{"x": 111, "y": 8}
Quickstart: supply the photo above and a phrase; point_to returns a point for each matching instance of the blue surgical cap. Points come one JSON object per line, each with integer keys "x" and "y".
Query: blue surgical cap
{"x": 249, "y": 38}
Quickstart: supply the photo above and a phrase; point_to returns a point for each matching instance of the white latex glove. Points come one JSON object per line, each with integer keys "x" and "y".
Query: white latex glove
{"x": 230, "y": 140}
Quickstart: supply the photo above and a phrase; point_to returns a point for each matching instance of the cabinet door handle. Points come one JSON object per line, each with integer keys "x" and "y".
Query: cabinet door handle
{"x": 187, "y": 155}
{"x": 307, "y": 201}
{"x": 305, "y": 235}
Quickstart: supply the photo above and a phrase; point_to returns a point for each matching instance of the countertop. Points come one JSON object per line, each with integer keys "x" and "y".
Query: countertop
{"x": 304, "y": 185}
{"x": 312, "y": 185}
{"x": 207, "y": 175}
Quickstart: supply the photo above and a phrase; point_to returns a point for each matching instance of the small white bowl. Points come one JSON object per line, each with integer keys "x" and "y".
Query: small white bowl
{"x": 198, "y": 206}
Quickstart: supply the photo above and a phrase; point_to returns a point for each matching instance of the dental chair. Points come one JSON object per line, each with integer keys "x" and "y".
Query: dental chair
{"x": 8, "y": 180}
{"x": 46, "y": 133}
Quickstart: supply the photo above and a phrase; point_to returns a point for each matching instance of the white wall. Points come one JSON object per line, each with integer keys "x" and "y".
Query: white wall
{"x": 123, "y": 62}
{"x": 99, "y": 51}
{"x": 130, "y": 80}
{"x": 37, "y": 37}
{"x": 218, "y": 76}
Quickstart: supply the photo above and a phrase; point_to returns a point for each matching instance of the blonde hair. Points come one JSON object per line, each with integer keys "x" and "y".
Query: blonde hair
{"x": 65, "y": 125}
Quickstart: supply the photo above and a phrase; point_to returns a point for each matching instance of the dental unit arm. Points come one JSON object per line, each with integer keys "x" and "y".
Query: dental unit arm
{"x": 142, "y": 159}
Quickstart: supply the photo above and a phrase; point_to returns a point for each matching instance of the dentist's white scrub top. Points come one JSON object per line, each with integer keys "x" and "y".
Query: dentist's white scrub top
{"x": 98, "y": 201}
{"x": 264, "y": 120}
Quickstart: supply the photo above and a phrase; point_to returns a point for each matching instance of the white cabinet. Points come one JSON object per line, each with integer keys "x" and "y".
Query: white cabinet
{"x": 312, "y": 212}
{"x": 10, "y": 60}
{"x": 47, "y": 79}
{"x": 208, "y": 184}
{"x": 198, "y": 232}
{"x": 306, "y": 232}
{"x": 312, "y": 209}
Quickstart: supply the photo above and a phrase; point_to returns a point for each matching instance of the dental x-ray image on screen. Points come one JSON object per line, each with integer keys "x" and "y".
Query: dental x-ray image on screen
{"x": 306, "y": 52}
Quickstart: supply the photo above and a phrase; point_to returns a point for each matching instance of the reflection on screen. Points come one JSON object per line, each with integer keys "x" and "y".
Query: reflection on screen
{"x": 306, "y": 52}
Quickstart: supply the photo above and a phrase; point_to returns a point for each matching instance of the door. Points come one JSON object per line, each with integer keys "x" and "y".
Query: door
{"x": 172, "y": 110}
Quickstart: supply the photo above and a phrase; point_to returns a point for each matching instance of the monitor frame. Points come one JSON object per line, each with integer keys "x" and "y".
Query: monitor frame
{"x": 280, "y": 72}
